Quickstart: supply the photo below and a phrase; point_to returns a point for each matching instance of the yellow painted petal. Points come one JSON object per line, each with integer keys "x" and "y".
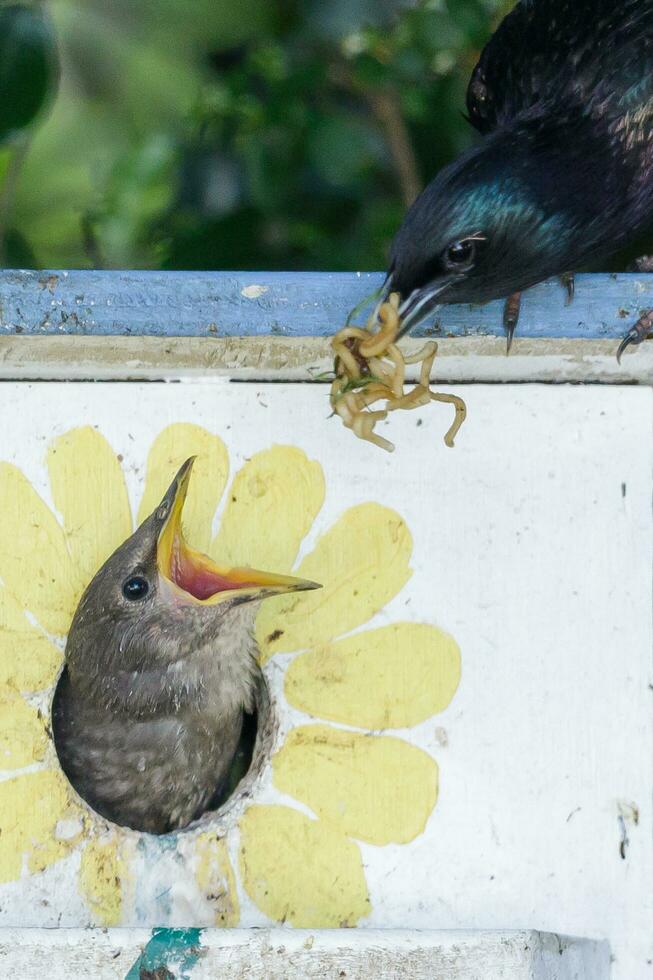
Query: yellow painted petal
{"x": 272, "y": 503}
{"x": 376, "y": 788}
{"x": 104, "y": 875}
{"x": 22, "y": 732}
{"x": 393, "y": 677}
{"x": 89, "y": 492}
{"x": 301, "y": 871}
{"x": 362, "y": 562}
{"x": 215, "y": 878}
{"x": 31, "y": 807}
{"x": 34, "y": 562}
{"x": 28, "y": 660}
{"x": 169, "y": 450}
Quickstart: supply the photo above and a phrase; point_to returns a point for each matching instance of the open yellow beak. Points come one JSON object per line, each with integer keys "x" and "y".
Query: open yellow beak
{"x": 198, "y": 575}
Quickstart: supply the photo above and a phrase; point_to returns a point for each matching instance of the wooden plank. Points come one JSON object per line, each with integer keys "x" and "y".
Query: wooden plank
{"x": 282, "y": 954}
{"x": 302, "y": 359}
{"x": 249, "y": 304}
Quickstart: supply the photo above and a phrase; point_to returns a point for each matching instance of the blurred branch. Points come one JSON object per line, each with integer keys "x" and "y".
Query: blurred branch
{"x": 386, "y": 109}
{"x": 91, "y": 244}
{"x": 8, "y": 192}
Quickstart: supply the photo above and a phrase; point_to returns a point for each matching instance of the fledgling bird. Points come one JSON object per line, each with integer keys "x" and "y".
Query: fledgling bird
{"x": 160, "y": 667}
{"x": 563, "y": 177}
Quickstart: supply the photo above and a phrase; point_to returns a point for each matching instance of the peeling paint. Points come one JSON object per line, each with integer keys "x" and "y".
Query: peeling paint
{"x": 23, "y": 739}
{"x": 393, "y": 677}
{"x": 328, "y": 769}
{"x": 253, "y": 292}
{"x": 265, "y": 519}
{"x": 301, "y": 871}
{"x": 105, "y": 873}
{"x": 362, "y": 559}
{"x": 31, "y": 806}
{"x": 462, "y": 359}
{"x": 170, "y": 954}
{"x": 215, "y": 878}
{"x": 378, "y": 546}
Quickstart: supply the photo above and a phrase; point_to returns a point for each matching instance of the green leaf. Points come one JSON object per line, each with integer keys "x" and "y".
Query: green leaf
{"x": 18, "y": 251}
{"x": 28, "y": 66}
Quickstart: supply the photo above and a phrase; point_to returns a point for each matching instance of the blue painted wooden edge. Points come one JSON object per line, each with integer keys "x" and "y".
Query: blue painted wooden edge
{"x": 287, "y": 304}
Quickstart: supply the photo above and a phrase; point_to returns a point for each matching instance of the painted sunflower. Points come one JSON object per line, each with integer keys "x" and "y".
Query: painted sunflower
{"x": 335, "y": 687}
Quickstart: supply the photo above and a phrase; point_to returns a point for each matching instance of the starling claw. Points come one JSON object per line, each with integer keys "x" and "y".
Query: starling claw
{"x": 630, "y": 338}
{"x": 510, "y": 333}
{"x": 636, "y": 334}
{"x": 568, "y": 280}
{"x": 511, "y": 318}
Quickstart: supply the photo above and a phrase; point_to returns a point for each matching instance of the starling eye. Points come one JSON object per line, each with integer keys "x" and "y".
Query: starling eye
{"x": 461, "y": 255}
{"x": 135, "y": 588}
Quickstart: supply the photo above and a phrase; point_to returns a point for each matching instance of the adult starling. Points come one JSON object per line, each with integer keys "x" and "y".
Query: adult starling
{"x": 160, "y": 667}
{"x": 563, "y": 177}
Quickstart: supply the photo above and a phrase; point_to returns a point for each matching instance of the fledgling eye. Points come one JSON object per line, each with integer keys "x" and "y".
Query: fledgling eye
{"x": 135, "y": 588}
{"x": 461, "y": 255}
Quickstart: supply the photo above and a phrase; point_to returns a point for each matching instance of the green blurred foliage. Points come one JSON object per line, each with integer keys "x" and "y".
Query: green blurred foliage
{"x": 28, "y": 67}
{"x": 272, "y": 134}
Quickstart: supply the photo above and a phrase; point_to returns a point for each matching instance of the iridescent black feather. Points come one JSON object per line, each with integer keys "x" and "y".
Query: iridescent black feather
{"x": 563, "y": 177}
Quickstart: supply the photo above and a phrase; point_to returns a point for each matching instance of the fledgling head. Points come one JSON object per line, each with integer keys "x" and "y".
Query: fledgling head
{"x": 154, "y": 604}
{"x": 511, "y": 212}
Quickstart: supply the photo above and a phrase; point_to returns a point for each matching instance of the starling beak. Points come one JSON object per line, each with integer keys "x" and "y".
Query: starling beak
{"x": 194, "y": 577}
{"x": 161, "y": 666}
{"x": 419, "y": 304}
{"x": 563, "y": 176}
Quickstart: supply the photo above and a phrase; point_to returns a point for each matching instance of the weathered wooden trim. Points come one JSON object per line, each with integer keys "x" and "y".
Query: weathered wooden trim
{"x": 281, "y": 954}
{"x": 302, "y": 359}
{"x": 82, "y": 325}
{"x": 297, "y": 304}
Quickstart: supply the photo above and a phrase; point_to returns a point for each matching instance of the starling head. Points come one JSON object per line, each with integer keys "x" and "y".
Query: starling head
{"x": 505, "y": 215}
{"x": 154, "y": 606}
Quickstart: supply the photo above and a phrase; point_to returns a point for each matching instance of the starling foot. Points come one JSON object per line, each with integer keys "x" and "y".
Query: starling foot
{"x": 511, "y": 317}
{"x": 513, "y": 306}
{"x": 568, "y": 280}
{"x": 642, "y": 329}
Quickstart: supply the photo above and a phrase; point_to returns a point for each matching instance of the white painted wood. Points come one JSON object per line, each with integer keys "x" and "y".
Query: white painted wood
{"x": 462, "y": 359}
{"x": 281, "y": 954}
{"x": 533, "y": 543}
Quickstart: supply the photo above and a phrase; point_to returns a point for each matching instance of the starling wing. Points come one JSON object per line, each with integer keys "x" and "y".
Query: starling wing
{"x": 561, "y": 56}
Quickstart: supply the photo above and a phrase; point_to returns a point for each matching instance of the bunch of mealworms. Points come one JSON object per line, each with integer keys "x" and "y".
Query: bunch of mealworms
{"x": 370, "y": 368}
